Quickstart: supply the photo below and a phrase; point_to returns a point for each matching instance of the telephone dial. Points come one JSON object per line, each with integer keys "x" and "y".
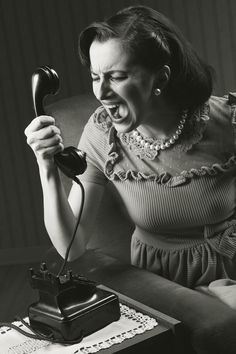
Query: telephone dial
{"x": 69, "y": 306}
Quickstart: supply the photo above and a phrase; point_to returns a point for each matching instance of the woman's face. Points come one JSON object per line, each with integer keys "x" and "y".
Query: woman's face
{"x": 124, "y": 88}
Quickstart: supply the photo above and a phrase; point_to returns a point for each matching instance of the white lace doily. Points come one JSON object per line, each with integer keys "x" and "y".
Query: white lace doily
{"x": 129, "y": 325}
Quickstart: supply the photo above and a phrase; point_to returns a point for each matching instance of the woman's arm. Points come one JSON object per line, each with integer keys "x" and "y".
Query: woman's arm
{"x": 60, "y": 215}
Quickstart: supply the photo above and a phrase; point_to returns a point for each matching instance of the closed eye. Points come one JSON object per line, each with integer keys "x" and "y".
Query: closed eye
{"x": 118, "y": 78}
{"x": 95, "y": 78}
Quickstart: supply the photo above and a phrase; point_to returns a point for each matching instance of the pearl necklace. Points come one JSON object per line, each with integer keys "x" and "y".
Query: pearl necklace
{"x": 150, "y": 148}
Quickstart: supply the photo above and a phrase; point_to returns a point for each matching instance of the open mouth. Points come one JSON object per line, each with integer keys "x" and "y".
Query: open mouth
{"x": 113, "y": 111}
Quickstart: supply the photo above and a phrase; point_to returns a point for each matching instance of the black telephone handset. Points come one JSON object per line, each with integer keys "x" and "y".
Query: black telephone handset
{"x": 69, "y": 306}
{"x": 45, "y": 81}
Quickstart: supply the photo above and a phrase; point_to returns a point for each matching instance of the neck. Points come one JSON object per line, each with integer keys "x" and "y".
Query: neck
{"x": 161, "y": 121}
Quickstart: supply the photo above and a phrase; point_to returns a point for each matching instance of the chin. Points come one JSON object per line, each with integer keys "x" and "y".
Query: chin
{"x": 124, "y": 128}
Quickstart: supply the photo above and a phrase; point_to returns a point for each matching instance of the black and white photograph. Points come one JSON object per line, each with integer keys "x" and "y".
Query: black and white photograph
{"x": 118, "y": 176}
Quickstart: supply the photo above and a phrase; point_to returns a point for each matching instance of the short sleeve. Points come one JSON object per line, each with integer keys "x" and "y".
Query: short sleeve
{"x": 93, "y": 142}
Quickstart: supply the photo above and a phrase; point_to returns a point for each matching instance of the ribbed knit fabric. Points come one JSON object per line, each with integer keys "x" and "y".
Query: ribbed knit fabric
{"x": 183, "y": 201}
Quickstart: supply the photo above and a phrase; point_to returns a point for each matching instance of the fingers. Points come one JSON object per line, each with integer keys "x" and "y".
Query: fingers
{"x": 44, "y": 137}
{"x": 38, "y": 144}
{"x": 38, "y": 123}
{"x": 49, "y": 152}
{"x": 43, "y": 133}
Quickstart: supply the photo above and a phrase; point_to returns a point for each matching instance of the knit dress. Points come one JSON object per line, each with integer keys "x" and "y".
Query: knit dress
{"x": 182, "y": 202}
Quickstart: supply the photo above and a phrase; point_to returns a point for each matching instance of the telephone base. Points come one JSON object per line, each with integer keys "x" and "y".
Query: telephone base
{"x": 69, "y": 308}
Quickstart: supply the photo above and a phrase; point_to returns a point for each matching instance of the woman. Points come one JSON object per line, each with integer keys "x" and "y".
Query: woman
{"x": 161, "y": 139}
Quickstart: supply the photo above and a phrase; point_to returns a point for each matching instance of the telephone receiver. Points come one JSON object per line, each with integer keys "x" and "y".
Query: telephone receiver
{"x": 45, "y": 81}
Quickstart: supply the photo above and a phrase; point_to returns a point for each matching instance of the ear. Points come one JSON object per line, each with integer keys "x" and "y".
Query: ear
{"x": 163, "y": 77}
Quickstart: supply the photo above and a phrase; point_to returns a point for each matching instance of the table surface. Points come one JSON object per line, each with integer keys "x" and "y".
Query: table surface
{"x": 16, "y": 293}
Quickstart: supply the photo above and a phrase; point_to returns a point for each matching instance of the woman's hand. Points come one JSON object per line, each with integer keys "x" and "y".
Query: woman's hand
{"x": 45, "y": 140}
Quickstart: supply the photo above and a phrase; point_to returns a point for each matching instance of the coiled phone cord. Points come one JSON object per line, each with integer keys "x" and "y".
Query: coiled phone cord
{"x": 36, "y": 334}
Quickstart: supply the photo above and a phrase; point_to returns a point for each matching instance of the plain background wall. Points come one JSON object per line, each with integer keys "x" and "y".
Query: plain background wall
{"x": 45, "y": 32}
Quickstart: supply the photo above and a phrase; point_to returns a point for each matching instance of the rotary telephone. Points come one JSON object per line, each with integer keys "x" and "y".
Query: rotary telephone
{"x": 69, "y": 306}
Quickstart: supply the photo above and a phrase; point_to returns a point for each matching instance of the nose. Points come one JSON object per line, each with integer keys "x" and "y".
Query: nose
{"x": 102, "y": 89}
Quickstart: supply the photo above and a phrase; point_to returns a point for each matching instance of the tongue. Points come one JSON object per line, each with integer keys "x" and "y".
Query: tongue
{"x": 122, "y": 111}
{"x": 113, "y": 111}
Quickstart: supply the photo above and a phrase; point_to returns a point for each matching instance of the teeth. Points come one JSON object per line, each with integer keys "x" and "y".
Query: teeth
{"x": 112, "y": 106}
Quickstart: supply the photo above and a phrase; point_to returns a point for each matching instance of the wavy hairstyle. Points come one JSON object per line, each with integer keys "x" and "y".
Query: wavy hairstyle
{"x": 153, "y": 41}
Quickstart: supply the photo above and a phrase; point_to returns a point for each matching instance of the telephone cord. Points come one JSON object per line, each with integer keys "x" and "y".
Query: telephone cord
{"x": 37, "y": 335}
{"x": 76, "y": 226}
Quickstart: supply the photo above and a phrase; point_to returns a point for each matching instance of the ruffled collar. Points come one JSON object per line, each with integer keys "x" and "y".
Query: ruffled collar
{"x": 192, "y": 135}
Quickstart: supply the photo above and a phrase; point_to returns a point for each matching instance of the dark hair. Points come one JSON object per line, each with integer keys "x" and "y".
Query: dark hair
{"x": 154, "y": 41}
